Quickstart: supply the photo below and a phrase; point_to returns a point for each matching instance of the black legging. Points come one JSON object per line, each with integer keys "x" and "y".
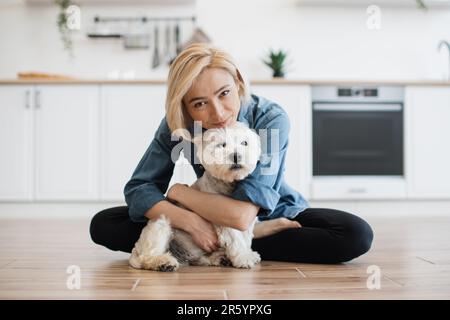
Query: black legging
{"x": 326, "y": 236}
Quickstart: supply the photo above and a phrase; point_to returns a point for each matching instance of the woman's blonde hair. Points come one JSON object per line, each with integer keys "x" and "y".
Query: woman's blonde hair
{"x": 183, "y": 72}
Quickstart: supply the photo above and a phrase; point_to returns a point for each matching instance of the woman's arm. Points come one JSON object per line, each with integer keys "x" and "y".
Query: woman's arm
{"x": 218, "y": 209}
{"x": 152, "y": 175}
{"x": 202, "y": 232}
{"x": 179, "y": 217}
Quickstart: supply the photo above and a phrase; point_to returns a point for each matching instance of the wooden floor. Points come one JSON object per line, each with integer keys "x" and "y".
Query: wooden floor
{"x": 413, "y": 256}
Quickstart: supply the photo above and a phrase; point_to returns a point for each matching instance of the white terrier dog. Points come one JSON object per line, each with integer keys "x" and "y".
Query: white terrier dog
{"x": 228, "y": 155}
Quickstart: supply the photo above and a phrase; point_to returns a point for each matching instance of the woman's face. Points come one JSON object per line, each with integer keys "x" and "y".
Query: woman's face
{"x": 213, "y": 99}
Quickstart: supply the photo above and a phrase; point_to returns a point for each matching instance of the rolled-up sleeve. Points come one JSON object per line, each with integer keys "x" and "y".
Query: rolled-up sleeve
{"x": 262, "y": 185}
{"x": 151, "y": 177}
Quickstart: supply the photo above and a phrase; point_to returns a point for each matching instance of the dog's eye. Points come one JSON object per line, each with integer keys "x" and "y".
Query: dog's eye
{"x": 244, "y": 143}
{"x": 224, "y": 144}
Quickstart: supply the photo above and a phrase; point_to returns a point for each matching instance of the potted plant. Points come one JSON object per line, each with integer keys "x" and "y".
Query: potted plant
{"x": 276, "y": 60}
{"x": 63, "y": 28}
{"x": 421, "y": 4}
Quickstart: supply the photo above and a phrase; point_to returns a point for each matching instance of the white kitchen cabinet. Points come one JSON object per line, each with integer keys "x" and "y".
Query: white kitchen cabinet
{"x": 15, "y": 142}
{"x": 130, "y": 115}
{"x": 296, "y": 101}
{"x": 427, "y": 124}
{"x": 49, "y": 142}
{"x": 66, "y": 142}
{"x": 82, "y": 142}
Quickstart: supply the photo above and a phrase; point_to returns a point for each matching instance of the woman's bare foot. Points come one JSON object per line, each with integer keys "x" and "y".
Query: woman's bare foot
{"x": 270, "y": 227}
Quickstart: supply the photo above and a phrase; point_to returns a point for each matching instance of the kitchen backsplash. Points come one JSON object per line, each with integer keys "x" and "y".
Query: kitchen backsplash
{"x": 323, "y": 42}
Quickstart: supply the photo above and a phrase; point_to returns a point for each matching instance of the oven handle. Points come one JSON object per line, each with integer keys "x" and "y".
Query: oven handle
{"x": 357, "y": 106}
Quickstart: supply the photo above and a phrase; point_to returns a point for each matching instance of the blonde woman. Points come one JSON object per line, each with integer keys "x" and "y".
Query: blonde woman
{"x": 204, "y": 84}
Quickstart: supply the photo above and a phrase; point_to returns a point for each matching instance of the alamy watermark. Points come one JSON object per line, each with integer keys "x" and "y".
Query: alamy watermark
{"x": 373, "y": 21}
{"x": 374, "y": 280}
{"x": 73, "y": 16}
{"x": 73, "y": 281}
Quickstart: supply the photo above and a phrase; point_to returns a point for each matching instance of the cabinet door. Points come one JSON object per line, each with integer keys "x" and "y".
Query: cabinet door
{"x": 131, "y": 114}
{"x": 15, "y": 142}
{"x": 66, "y": 142}
{"x": 427, "y": 115}
{"x": 296, "y": 101}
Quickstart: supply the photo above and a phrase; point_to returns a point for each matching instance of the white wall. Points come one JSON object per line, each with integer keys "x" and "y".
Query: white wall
{"x": 330, "y": 43}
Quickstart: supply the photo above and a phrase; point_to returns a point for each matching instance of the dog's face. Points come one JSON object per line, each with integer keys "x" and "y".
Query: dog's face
{"x": 229, "y": 153}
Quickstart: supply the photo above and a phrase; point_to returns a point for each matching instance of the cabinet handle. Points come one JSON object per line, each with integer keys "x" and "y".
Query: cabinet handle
{"x": 27, "y": 99}
{"x": 37, "y": 98}
{"x": 357, "y": 190}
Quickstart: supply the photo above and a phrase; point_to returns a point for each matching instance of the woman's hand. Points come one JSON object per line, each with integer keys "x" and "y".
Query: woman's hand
{"x": 173, "y": 191}
{"x": 203, "y": 233}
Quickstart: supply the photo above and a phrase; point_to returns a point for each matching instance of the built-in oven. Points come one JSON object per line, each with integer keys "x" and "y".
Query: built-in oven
{"x": 357, "y": 130}
{"x": 357, "y": 139}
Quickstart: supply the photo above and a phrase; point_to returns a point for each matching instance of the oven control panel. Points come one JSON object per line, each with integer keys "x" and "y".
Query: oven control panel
{"x": 357, "y": 93}
{"x": 352, "y": 92}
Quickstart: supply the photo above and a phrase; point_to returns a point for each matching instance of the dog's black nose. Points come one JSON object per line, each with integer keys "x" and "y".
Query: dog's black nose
{"x": 236, "y": 157}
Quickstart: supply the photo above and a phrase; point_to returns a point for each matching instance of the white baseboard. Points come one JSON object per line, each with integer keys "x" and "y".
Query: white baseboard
{"x": 389, "y": 208}
{"x": 54, "y": 210}
{"x": 385, "y": 208}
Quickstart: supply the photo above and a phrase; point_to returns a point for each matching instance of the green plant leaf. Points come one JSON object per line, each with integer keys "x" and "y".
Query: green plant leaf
{"x": 64, "y": 32}
{"x": 276, "y": 60}
{"x": 421, "y": 5}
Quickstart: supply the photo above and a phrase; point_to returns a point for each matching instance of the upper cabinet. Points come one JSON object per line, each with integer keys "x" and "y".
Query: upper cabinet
{"x": 121, "y": 2}
{"x": 381, "y": 3}
{"x": 427, "y": 125}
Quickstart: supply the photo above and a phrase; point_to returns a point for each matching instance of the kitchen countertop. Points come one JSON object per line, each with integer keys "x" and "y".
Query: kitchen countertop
{"x": 427, "y": 82}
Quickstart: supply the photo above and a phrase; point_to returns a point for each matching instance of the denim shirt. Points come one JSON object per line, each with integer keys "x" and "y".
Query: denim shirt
{"x": 264, "y": 187}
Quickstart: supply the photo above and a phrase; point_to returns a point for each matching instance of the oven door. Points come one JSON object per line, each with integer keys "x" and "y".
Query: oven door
{"x": 357, "y": 139}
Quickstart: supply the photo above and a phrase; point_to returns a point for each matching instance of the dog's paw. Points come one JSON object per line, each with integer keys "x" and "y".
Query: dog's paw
{"x": 219, "y": 259}
{"x": 167, "y": 267}
{"x": 164, "y": 263}
{"x": 247, "y": 260}
{"x": 168, "y": 263}
{"x": 225, "y": 261}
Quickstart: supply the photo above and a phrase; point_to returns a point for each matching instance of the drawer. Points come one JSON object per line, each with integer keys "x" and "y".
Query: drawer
{"x": 357, "y": 187}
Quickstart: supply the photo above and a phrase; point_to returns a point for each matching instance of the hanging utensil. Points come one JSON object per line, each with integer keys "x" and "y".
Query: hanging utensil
{"x": 177, "y": 39}
{"x": 198, "y": 35}
{"x": 156, "y": 61}
{"x": 136, "y": 35}
{"x": 167, "y": 42}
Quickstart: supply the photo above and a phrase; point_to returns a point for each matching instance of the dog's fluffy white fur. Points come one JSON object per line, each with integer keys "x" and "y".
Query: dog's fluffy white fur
{"x": 228, "y": 155}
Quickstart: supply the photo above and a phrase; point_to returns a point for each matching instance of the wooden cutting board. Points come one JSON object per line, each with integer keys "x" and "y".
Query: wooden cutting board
{"x": 42, "y": 75}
